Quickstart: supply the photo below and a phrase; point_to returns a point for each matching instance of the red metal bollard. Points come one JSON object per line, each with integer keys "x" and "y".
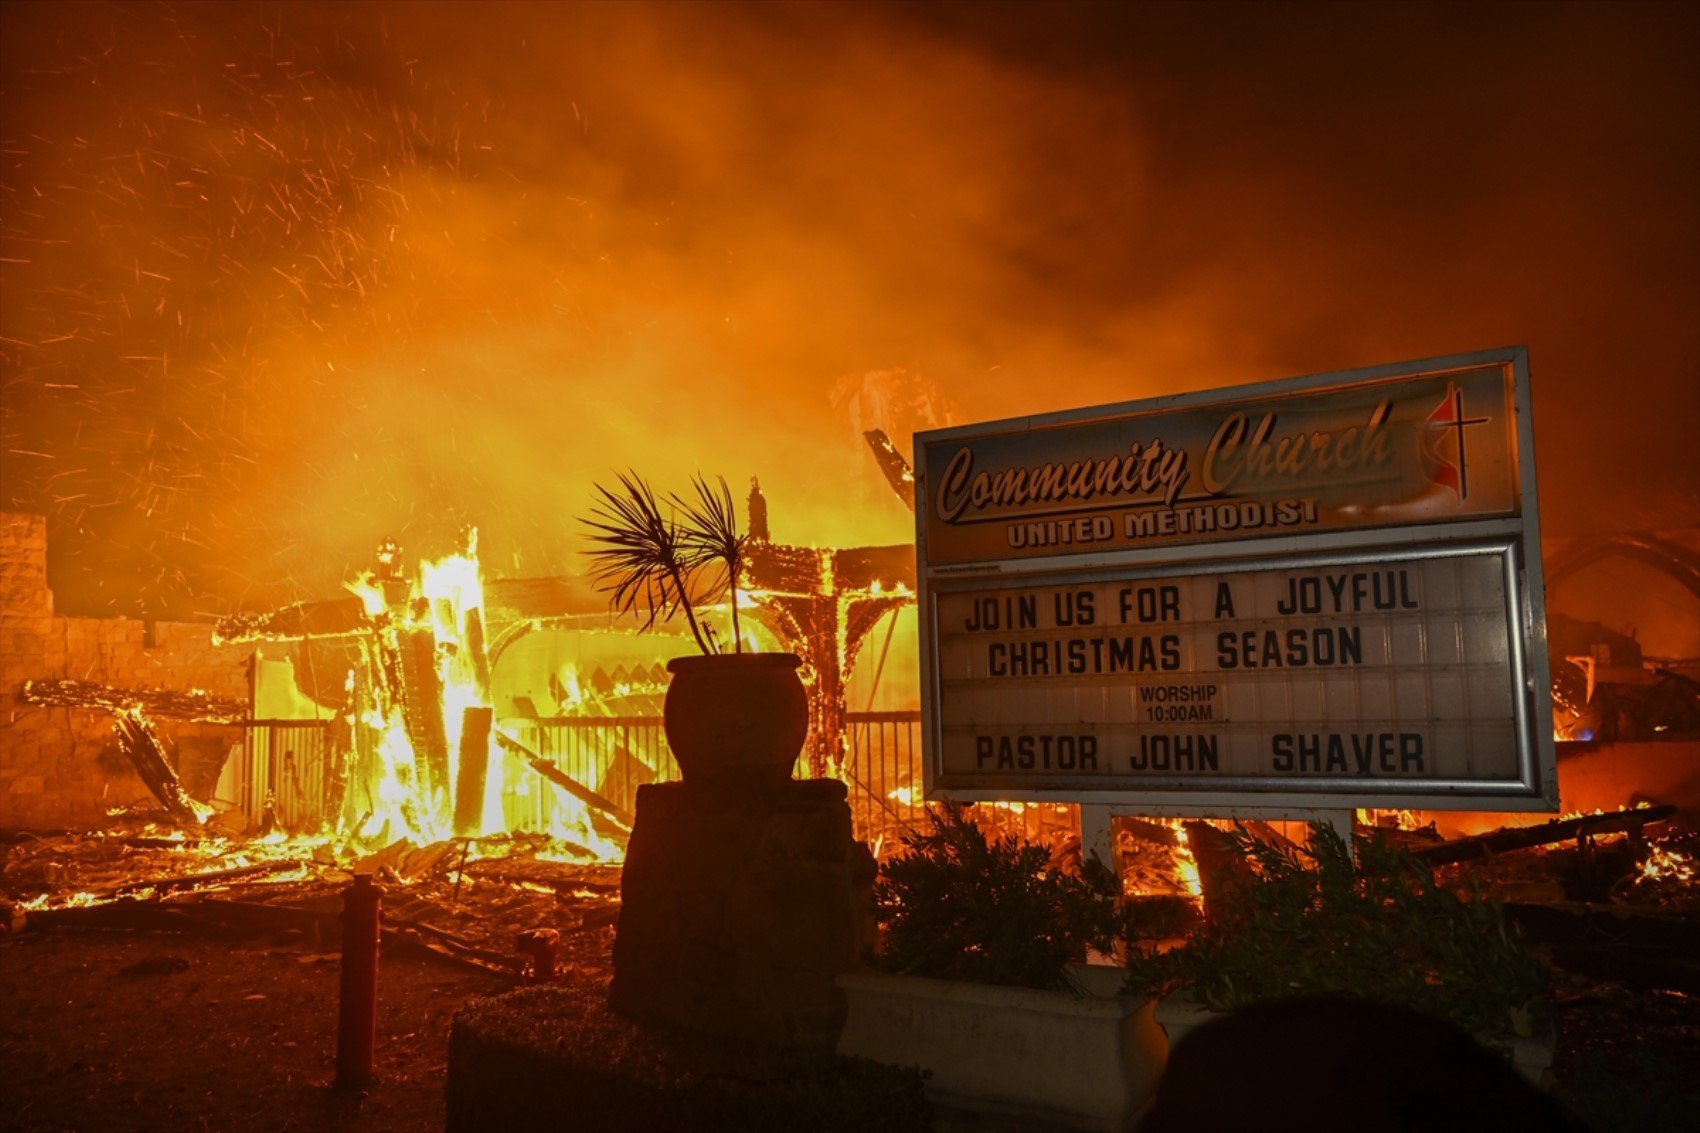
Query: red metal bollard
{"x": 357, "y": 1024}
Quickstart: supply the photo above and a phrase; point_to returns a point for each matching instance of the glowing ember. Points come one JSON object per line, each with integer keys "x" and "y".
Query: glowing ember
{"x": 1667, "y": 864}
{"x": 1157, "y": 860}
{"x": 1390, "y": 819}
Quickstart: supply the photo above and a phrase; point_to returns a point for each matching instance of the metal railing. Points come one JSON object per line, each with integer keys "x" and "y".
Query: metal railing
{"x": 614, "y": 755}
{"x": 286, "y": 762}
{"x": 882, "y": 766}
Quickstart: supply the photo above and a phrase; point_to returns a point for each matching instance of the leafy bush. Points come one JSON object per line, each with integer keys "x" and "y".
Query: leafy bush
{"x": 958, "y": 905}
{"x": 1311, "y": 922}
{"x": 1159, "y": 917}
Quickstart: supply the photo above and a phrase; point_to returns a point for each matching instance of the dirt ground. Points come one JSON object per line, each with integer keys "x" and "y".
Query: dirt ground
{"x": 126, "y": 1031}
{"x": 215, "y": 1007}
{"x": 118, "y": 1031}
{"x": 112, "y": 1029}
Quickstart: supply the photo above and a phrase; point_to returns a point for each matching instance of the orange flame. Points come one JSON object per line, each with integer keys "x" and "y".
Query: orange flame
{"x": 1186, "y": 865}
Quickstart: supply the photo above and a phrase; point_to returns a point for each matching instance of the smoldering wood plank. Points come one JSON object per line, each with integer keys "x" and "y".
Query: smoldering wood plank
{"x": 337, "y": 617}
{"x": 861, "y": 568}
{"x": 603, "y": 880}
{"x": 481, "y": 960}
{"x": 187, "y": 913}
{"x": 474, "y": 768}
{"x": 784, "y": 569}
{"x": 1270, "y": 836}
{"x": 140, "y": 744}
{"x": 159, "y": 703}
{"x": 408, "y": 861}
{"x": 192, "y": 881}
{"x": 127, "y": 913}
{"x": 339, "y": 754}
{"x": 1149, "y": 831}
{"x": 1653, "y": 948}
{"x": 1558, "y": 830}
{"x": 1220, "y": 868}
{"x": 422, "y": 705}
{"x": 564, "y": 781}
{"x": 454, "y": 944}
{"x": 473, "y": 635}
{"x": 893, "y": 466}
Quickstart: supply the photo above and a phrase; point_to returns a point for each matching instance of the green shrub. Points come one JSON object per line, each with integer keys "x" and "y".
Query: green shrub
{"x": 958, "y": 905}
{"x": 1311, "y": 922}
{"x": 1160, "y": 917}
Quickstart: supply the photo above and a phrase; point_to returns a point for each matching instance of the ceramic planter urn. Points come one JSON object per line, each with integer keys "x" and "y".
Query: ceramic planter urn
{"x": 1085, "y": 1061}
{"x": 736, "y": 719}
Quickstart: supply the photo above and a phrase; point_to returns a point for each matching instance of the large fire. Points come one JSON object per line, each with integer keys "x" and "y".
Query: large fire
{"x": 256, "y": 266}
{"x": 470, "y": 795}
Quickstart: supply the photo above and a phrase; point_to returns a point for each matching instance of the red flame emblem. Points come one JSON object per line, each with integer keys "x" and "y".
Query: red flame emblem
{"x": 1447, "y": 423}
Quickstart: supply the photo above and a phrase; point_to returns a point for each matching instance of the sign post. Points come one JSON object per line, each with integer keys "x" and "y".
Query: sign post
{"x": 1278, "y": 600}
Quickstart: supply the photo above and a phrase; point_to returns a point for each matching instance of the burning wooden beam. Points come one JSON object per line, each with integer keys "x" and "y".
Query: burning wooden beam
{"x": 300, "y": 621}
{"x": 568, "y": 784}
{"x": 827, "y": 630}
{"x": 189, "y": 882}
{"x": 446, "y": 946}
{"x": 198, "y": 913}
{"x": 893, "y": 465}
{"x": 339, "y": 757}
{"x": 421, "y": 695}
{"x": 1558, "y": 830}
{"x": 140, "y": 743}
{"x": 1153, "y": 832}
{"x": 473, "y": 636}
{"x": 474, "y": 769}
{"x": 197, "y": 706}
{"x": 1219, "y": 868}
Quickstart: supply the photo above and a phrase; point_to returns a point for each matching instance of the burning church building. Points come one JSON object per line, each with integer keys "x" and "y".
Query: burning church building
{"x": 430, "y": 704}
{"x": 320, "y": 324}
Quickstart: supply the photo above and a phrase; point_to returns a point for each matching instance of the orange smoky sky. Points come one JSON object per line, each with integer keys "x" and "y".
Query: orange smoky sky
{"x": 282, "y": 279}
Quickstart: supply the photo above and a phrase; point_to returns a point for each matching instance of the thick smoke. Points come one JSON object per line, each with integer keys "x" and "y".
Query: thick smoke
{"x": 282, "y": 279}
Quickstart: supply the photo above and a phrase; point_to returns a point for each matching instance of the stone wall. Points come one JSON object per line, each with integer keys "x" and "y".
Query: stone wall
{"x": 61, "y": 767}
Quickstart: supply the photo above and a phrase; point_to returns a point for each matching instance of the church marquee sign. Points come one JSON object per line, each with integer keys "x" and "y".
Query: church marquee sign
{"x": 1316, "y": 593}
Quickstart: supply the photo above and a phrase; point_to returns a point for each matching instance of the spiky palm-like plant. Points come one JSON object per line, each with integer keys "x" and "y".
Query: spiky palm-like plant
{"x": 709, "y": 537}
{"x": 650, "y": 561}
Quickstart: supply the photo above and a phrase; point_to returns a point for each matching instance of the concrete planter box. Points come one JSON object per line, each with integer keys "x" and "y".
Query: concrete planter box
{"x": 1533, "y": 1058}
{"x": 1179, "y": 1013}
{"x": 1089, "y": 1061}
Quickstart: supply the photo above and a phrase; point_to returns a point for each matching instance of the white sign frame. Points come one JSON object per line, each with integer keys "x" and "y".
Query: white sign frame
{"x": 1517, "y": 536}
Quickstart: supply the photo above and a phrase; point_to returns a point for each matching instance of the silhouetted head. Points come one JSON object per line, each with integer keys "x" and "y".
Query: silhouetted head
{"x": 1309, "y": 1064}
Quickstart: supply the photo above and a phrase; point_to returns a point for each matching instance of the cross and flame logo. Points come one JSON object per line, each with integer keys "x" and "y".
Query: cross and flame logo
{"x": 1448, "y": 422}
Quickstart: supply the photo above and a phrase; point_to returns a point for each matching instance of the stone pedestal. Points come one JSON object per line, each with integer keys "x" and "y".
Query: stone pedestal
{"x": 739, "y": 908}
